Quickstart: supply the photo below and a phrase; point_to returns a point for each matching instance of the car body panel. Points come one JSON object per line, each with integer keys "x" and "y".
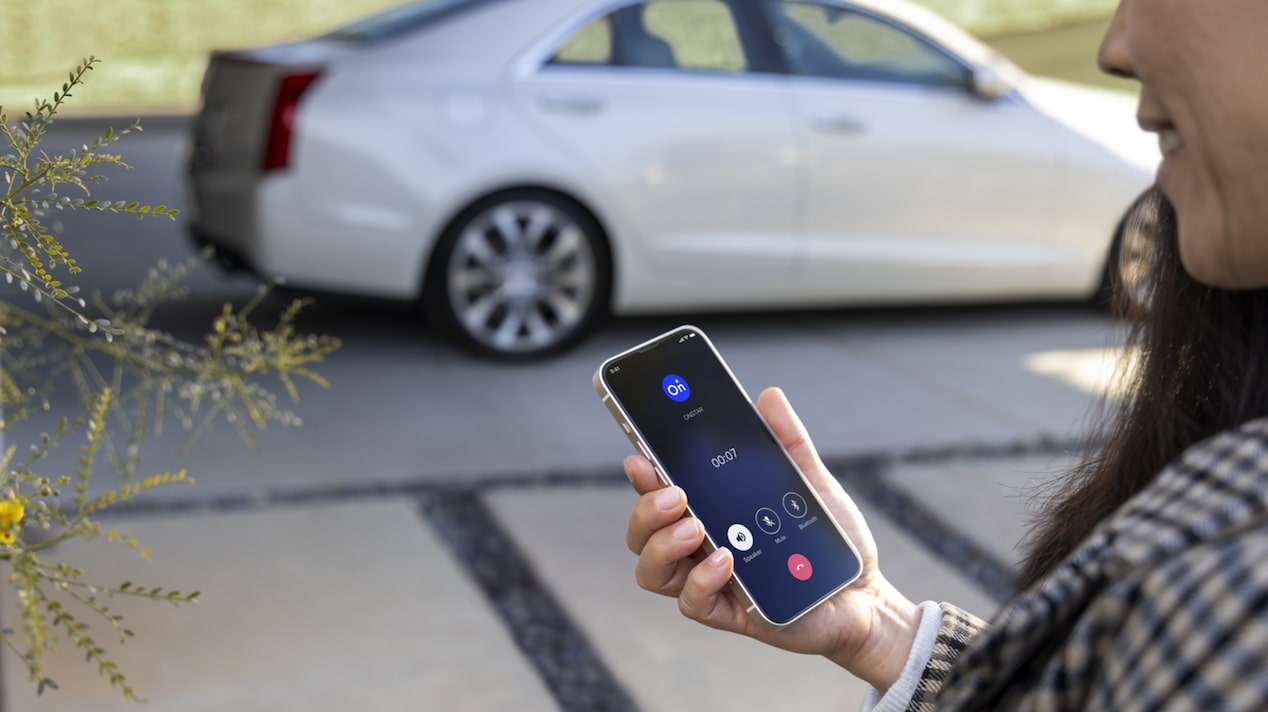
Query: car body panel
{"x": 944, "y": 154}
{"x": 706, "y": 192}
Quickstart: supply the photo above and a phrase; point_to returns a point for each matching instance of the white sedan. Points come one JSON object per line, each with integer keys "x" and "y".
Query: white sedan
{"x": 525, "y": 167}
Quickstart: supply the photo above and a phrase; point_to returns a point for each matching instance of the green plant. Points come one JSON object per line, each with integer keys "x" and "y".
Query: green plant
{"x": 131, "y": 377}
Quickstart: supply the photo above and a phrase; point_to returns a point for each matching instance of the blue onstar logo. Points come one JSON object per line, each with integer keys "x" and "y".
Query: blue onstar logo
{"x": 676, "y": 388}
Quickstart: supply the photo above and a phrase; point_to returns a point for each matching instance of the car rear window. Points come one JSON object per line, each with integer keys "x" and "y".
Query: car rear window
{"x": 402, "y": 20}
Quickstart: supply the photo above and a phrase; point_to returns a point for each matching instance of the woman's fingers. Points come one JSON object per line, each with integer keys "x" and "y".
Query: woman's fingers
{"x": 652, "y": 512}
{"x": 667, "y": 558}
{"x": 783, "y": 421}
{"x": 642, "y": 475}
{"x": 704, "y": 594}
{"x": 663, "y": 539}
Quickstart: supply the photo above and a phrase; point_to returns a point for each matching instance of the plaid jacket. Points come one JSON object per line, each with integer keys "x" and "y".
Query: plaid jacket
{"x": 1163, "y": 607}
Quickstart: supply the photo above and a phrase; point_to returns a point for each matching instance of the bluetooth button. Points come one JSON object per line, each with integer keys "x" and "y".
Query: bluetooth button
{"x": 795, "y": 505}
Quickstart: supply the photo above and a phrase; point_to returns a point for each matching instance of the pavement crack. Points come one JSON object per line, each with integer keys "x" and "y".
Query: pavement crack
{"x": 866, "y": 480}
{"x": 556, "y": 646}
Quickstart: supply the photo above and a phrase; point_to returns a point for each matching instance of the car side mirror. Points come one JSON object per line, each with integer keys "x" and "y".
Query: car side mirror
{"x": 988, "y": 84}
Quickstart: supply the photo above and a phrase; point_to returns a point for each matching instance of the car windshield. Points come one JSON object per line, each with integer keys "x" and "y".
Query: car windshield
{"x": 401, "y": 20}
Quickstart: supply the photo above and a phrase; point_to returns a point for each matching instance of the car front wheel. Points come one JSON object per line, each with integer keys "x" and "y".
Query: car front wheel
{"x": 519, "y": 274}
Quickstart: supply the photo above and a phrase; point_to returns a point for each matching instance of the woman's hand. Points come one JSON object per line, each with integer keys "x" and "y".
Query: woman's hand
{"x": 867, "y": 628}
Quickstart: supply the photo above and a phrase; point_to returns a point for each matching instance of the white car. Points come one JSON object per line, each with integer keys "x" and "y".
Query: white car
{"x": 525, "y": 167}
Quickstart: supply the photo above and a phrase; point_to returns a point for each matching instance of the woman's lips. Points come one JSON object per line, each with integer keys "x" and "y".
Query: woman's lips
{"x": 1169, "y": 141}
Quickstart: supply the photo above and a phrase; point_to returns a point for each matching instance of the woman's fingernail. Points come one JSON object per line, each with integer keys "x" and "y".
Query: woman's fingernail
{"x": 687, "y": 530}
{"x": 718, "y": 557}
{"x": 668, "y": 498}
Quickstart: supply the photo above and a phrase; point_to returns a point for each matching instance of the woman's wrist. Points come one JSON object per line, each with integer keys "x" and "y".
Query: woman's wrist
{"x": 880, "y": 658}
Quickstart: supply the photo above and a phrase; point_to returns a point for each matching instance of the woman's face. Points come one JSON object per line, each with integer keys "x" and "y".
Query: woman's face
{"x": 1203, "y": 71}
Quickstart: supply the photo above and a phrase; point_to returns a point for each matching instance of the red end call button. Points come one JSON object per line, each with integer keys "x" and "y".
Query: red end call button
{"x": 799, "y": 566}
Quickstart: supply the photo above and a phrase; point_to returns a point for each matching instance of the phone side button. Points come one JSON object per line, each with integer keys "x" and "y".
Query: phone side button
{"x": 707, "y": 547}
{"x": 745, "y": 602}
{"x": 664, "y": 481}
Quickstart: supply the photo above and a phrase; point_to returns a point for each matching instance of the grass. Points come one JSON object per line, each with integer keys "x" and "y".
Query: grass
{"x": 154, "y": 51}
{"x": 994, "y": 18}
{"x": 1067, "y": 52}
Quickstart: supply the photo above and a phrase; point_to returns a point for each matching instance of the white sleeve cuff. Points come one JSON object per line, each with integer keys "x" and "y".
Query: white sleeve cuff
{"x": 899, "y": 695}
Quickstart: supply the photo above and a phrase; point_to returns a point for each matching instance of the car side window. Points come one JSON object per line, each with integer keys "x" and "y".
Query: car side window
{"x": 696, "y": 35}
{"x": 830, "y": 41}
{"x": 591, "y": 44}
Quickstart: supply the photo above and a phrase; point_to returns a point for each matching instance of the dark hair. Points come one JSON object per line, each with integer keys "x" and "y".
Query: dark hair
{"x": 1201, "y": 352}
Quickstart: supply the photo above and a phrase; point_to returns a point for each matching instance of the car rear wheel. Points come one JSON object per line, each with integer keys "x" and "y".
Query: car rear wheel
{"x": 1129, "y": 270}
{"x": 519, "y": 274}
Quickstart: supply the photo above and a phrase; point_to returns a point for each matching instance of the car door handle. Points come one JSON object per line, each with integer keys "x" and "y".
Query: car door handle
{"x": 571, "y": 104}
{"x": 836, "y": 123}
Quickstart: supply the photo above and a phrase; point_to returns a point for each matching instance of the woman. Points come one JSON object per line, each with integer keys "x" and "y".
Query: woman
{"x": 1146, "y": 582}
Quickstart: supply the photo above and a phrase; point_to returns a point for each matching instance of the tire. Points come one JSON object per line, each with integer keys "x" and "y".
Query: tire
{"x": 519, "y": 274}
{"x": 1127, "y": 285}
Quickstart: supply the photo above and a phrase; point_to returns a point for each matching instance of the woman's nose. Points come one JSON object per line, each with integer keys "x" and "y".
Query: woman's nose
{"x": 1113, "y": 57}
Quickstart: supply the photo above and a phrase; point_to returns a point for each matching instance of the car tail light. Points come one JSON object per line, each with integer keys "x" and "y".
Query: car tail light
{"x": 277, "y": 152}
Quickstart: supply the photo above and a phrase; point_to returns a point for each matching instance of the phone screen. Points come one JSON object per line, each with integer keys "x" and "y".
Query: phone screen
{"x": 708, "y": 438}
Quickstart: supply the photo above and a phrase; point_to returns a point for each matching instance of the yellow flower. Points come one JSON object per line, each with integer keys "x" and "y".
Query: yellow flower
{"x": 11, "y": 512}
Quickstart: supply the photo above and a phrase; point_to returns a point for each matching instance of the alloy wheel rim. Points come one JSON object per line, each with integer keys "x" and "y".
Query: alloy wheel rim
{"x": 1134, "y": 262}
{"x": 521, "y": 277}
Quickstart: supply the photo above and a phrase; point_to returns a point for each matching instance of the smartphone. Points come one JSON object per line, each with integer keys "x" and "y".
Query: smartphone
{"x": 682, "y": 407}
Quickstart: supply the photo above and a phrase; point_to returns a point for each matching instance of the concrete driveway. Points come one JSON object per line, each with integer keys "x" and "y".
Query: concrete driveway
{"x": 444, "y": 533}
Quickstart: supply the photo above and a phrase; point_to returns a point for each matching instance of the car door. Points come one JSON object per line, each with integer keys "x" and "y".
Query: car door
{"x": 915, "y": 187}
{"x": 687, "y": 143}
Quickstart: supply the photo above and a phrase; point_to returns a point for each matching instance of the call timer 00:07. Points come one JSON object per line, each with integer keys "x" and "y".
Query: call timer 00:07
{"x": 724, "y": 458}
